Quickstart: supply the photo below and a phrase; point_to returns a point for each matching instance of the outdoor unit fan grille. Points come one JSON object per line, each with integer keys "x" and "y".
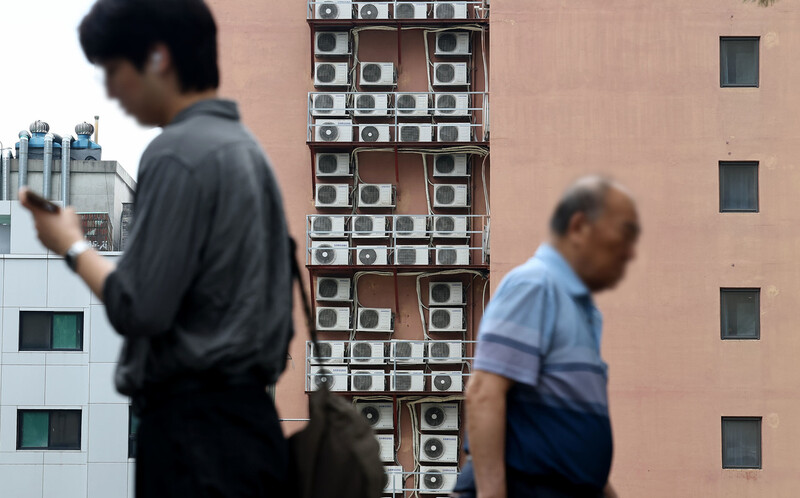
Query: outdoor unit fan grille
{"x": 363, "y": 224}
{"x": 441, "y": 293}
{"x": 371, "y": 73}
{"x": 367, "y": 257}
{"x": 404, "y": 224}
{"x": 326, "y": 73}
{"x": 404, "y": 11}
{"x": 323, "y": 378}
{"x": 434, "y": 479}
{"x": 440, "y": 319}
{"x": 440, "y": 350}
{"x": 326, "y": 194}
{"x": 324, "y": 254}
{"x": 369, "y": 11}
{"x": 445, "y": 11}
{"x": 445, "y": 103}
{"x": 323, "y": 350}
{"x": 448, "y": 256}
{"x": 402, "y": 381}
{"x": 402, "y": 350}
{"x": 322, "y": 224}
{"x": 327, "y": 318}
{"x": 442, "y": 382}
{"x": 434, "y": 416}
{"x": 445, "y": 195}
{"x": 448, "y": 133}
{"x": 445, "y": 224}
{"x": 371, "y": 415}
{"x": 446, "y": 42}
{"x": 362, "y": 351}
{"x": 406, "y": 256}
{"x": 369, "y": 319}
{"x": 327, "y": 42}
{"x": 328, "y": 288}
{"x": 409, "y": 134}
{"x": 328, "y": 11}
{"x": 324, "y": 103}
{"x": 433, "y": 448}
{"x": 370, "y": 194}
{"x": 406, "y": 104}
{"x": 365, "y": 103}
{"x": 369, "y": 134}
{"x": 445, "y": 73}
{"x": 445, "y": 164}
{"x": 362, "y": 382}
{"x": 328, "y": 164}
{"x": 329, "y": 132}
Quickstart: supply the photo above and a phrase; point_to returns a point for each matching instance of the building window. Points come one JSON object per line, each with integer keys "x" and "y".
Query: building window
{"x": 740, "y": 313}
{"x": 738, "y": 187}
{"x": 738, "y": 61}
{"x": 133, "y": 429}
{"x": 48, "y": 429}
{"x": 741, "y": 442}
{"x": 50, "y": 331}
{"x": 5, "y": 234}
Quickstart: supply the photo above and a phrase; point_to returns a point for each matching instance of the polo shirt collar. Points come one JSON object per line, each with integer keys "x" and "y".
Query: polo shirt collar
{"x": 567, "y": 276}
{"x": 216, "y": 107}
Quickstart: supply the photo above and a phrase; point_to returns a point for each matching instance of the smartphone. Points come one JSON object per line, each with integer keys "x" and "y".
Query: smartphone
{"x": 40, "y": 202}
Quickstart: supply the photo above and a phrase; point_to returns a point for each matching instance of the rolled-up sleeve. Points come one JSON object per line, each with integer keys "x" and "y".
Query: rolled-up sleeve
{"x": 143, "y": 294}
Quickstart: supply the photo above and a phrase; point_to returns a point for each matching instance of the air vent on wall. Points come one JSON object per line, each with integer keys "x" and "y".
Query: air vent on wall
{"x": 367, "y": 226}
{"x": 367, "y": 353}
{"x": 337, "y": 9}
{"x": 450, "y": 74}
{"x": 438, "y": 448}
{"x": 410, "y": 226}
{"x": 379, "y": 416}
{"x": 334, "y": 289}
{"x": 334, "y": 377}
{"x": 367, "y": 380}
{"x": 447, "y": 382}
{"x": 327, "y": 227}
{"x": 328, "y": 104}
{"x": 333, "y": 130}
{"x": 446, "y": 320}
{"x": 454, "y": 132}
{"x": 450, "y": 226}
{"x": 372, "y": 10}
{"x": 407, "y": 352}
{"x": 414, "y": 132}
{"x": 445, "y": 352}
{"x": 439, "y": 417}
{"x": 445, "y": 293}
{"x": 372, "y": 255}
{"x": 394, "y": 480}
{"x": 386, "y": 443}
{"x": 377, "y": 74}
{"x": 412, "y": 104}
{"x": 407, "y": 380}
{"x": 450, "y": 195}
{"x": 331, "y": 74}
{"x": 374, "y": 133}
{"x": 375, "y": 320}
{"x": 329, "y": 352}
{"x": 452, "y": 105}
{"x": 376, "y": 195}
{"x": 330, "y": 253}
{"x": 328, "y": 164}
{"x": 410, "y": 10}
{"x": 450, "y": 165}
{"x": 334, "y": 319}
{"x": 372, "y": 105}
{"x": 437, "y": 480}
{"x": 452, "y": 43}
{"x": 334, "y": 43}
{"x": 332, "y": 195}
{"x": 411, "y": 255}
{"x": 452, "y": 255}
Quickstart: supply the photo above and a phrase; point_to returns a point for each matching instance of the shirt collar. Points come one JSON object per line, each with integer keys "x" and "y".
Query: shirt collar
{"x": 567, "y": 276}
{"x": 216, "y": 107}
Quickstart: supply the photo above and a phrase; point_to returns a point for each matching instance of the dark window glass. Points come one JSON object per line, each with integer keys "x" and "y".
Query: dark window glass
{"x": 5, "y": 234}
{"x": 738, "y": 186}
{"x": 740, "y": 314}
{"x": 50, "y": 331}
{"x": 133, "y": 428}
{"x": 49, "y": 429}
{"x": 738, "y": 61}
{"x": 741, "y": 442}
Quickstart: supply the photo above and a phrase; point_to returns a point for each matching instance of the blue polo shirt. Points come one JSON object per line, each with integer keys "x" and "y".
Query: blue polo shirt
{"x": 542, "y": 331}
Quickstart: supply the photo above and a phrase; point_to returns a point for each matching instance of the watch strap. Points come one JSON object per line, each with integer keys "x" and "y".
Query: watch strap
{"x": 75, "y": 250}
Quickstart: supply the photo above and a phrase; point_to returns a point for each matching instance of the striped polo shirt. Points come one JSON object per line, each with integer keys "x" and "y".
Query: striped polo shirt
{"x": 542, "y": 331}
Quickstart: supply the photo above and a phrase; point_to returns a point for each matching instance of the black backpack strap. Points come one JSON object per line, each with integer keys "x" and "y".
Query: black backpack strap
{"x": 303, "y": 296}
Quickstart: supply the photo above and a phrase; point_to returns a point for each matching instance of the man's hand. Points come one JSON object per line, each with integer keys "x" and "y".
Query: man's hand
{"x": 57, "y": 231}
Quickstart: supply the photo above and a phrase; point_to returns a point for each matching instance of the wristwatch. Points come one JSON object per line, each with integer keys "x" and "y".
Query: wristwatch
{"x": 75, "y": 250}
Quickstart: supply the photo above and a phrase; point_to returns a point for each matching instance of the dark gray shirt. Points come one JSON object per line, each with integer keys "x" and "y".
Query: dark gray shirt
{"x": 205, "y": 283}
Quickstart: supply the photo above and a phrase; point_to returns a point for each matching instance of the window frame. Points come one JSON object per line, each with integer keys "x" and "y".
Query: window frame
{"x": 722, "y": 40}
{"x": 22, "y": 411}
{"x": 722, "y": 311}
{"x": 755, "y": 166}
{"x": 80, "y": 331}
{"x": 760, "y": 442}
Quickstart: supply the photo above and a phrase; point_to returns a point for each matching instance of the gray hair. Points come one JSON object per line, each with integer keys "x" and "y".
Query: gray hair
{"x": 586, "y": 195}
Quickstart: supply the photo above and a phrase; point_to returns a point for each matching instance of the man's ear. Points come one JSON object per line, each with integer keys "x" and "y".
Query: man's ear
{"x": 579, "y": 225}
{"x": 159, "y": 58}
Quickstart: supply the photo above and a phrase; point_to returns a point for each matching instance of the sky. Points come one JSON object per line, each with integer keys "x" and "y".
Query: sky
{"x": 44, "y": 75}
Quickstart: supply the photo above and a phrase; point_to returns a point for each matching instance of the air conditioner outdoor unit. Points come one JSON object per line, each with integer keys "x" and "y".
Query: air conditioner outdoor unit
{"x": 408, "y": 380}
{"x": 329, "y": 353}
{"x": 329, "y": 104}
{"x": 446, "y": 320}
{"x": 438, "y": 448}
{"x": 412, "y": 104}
{"x": 336, "y": 164}
{"x": 376, "y": 195}
{"x": 335, "y": 43}
{"x": 454, "y": 132}
{"x": 437, "y": 480}
{"x": 451, "y": 226}
{"x": 334, "y": 9}
{"x": 372, "y": 105}
{"x": 410, "y": 226}
{"x": 410, "y": 10}
{"x": 367, "y": 353}
{"x": 447, "y": 382}
{"x": 450, "y": 195}
{"x": 377, "y": 74}
{"x": 452, "y": 255}
{"x": 327, "y": 227}
{"x": 439, "y": 417}
{"x": 334, "y": 289}
{"x": 332, "y": 252}
{"x": 372, "y": 255}
{"x": 445, "y": 352}
{"x": 414, "y": 132}
{"x": 369, "y": 227}
{"x": 372, "y": 10}
{"x": 394, "y": 480}
{"x": 374, "y": 133}
{"x": 386, "y": 443}
{"x": 452, "y": 43}
{"x": 379, "y": 416}
{"x": 375, "y": 320}
{"x": 333, "y": 130}
{"x": 334, "y": 377}
{"x": 334, "y": 319}
{"x": 450, "y": 74}
{"x": 450, "y": 10}
{"x": 407, "y": 352}
{"x": 445, "y": 293}
{"x": 452, "y": 104}
{"x": 332, "y": 195}
{"x": 367, "y": 380}
{"x": 450, "y": 165}
{"x": 331, "y": 74}
{"x": 411, "y": 255}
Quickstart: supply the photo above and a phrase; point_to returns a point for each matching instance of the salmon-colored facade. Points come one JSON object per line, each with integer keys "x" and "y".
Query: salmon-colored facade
{"x": 629, "y": 88}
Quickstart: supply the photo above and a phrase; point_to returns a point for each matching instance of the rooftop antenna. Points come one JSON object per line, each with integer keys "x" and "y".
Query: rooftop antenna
{"x": 96, "y": 129}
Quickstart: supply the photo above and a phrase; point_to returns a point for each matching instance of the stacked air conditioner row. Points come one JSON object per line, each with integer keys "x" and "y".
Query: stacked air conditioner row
{"x": 338, "y": 44}
{"x": 395, "y": 352}
{"x": 395, "y": 9}
{"x": 382, "y": 105}
{"x": 363, "y": 226}
{"x": 384, "y": 74}
{"x": 340, "y": 289}
{"x": 339, "y": 378}
{"x": 341, "y": 131}
{"x": 340, "y": 253}
{"x": 338, "y": 164}
{"x": 383, "y": 195}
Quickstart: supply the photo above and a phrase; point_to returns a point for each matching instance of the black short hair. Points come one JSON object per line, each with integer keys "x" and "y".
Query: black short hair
{"x": 587, "y": 195}
{"x": 129, "y": 29}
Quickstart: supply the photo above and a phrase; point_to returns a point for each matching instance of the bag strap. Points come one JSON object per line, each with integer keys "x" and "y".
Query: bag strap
{"x": 303, "y": 297}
